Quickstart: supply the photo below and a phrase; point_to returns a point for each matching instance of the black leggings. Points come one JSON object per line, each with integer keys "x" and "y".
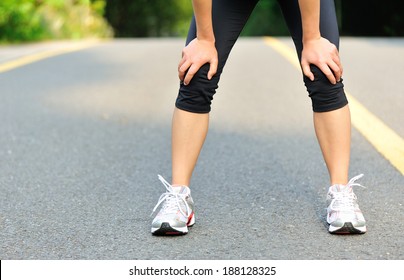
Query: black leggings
{"x": 229, "y": 18}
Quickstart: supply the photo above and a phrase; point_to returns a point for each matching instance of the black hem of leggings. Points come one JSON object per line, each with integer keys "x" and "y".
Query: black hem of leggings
{"x": 333, "y": 108}
{"x": 191, "y": 110}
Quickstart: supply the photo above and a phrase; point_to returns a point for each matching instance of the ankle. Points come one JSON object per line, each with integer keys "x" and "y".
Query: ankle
{"x": 179, "y": 185}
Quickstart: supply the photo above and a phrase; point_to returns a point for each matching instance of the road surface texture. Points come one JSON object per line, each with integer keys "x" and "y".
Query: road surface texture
{"x": 84, "y": 135}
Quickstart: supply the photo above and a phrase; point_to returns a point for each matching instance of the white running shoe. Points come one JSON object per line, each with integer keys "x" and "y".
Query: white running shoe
{"x": 176, "y": 213}
{"x": 343, "y": 213}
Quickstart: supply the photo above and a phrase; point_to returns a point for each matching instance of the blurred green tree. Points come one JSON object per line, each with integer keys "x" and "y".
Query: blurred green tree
{"x": 25, "y": 20}
{"x": 28, "y": 20}
{"x": 266, "y": 19}
{"x": 20, "y": 21}
{"x": 74, "y": 19}
{"x": 153, "y": 18}
{"x": 148, "y": 18}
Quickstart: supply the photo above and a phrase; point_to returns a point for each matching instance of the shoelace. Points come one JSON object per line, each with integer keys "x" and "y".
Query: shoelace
{"x": 172, "y": 200}
{"x": 345, "y": 199}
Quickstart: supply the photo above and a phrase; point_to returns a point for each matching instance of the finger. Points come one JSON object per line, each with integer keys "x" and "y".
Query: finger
{"x": 328, "y": 73}
{"x": 212, "y": 69}
{"x": 190, "y": 74}
{"x": 182, "y": 69}
{"x": 341, "y": 70}
{"x": 336, "y": 70}
{"x": 306, "y": 71}
{"x": 183, "y": 59}
{"x": 337, "y": 61}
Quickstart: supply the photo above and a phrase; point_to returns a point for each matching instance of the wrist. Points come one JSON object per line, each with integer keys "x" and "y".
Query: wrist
{"x": 311, "y": 37}
{"x": 206, "y": 37}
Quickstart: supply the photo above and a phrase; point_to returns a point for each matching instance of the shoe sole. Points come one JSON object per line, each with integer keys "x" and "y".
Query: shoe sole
{"x": 347, "y": 228}
{"x": 166, "y": 229}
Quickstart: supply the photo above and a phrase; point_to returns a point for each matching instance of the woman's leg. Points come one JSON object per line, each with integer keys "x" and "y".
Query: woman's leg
{"x": 188, "y": 135}
{"x": 333, "y": 130}
{"x": 191, "y": 118}
{"x": 191, "y": 115}
{"x": 331, "y": 113}
{"x": 332, "y": 123}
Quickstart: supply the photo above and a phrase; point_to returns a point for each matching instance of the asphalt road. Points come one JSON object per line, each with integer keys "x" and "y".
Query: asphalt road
{"x": 83, "y": 136}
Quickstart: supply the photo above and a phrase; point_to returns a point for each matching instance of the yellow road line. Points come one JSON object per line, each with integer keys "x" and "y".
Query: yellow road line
{"x": 28, "y": 59}
{"x": 384, "y": 139}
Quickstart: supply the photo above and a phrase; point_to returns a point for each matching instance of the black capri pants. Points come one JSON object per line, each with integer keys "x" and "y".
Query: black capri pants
{"x": 229, "y": 18}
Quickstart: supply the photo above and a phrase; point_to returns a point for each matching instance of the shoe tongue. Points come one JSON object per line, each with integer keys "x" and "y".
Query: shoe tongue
{"x": 341, "y": 188}
{"x": 181, "y": 190}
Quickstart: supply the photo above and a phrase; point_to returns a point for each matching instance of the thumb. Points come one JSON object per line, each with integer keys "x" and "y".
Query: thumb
{"x": 306, "y": 70}
{"x": 212, "y": 69}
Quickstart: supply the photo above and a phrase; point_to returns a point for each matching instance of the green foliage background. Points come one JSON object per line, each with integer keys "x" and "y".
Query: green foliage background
{"x": 143, "y": 18}
{"x": 266, "y": 19}
{"x": 33, "y": 20}
{"x": 149, "y": 18}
